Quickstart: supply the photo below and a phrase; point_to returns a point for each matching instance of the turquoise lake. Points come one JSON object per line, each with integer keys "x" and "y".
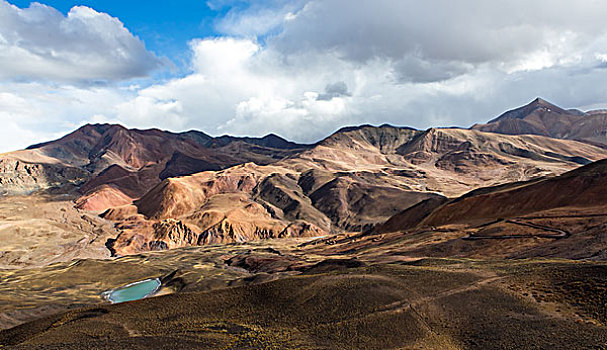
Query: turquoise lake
{"x": 133, "y": 291}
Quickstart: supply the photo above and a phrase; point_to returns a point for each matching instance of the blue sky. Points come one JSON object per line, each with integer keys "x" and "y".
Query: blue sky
{"x": 297, "y": 68}
{"x": 164, "y": 26}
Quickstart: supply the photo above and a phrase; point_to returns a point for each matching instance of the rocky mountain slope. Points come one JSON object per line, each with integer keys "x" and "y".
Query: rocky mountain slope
{"x": 166, "y": 190}
{"x": 42, "y": 229}
{"x": 351, "y": 181}
{"x": 129, "y": 161}
{"x": 582, "y": 187}
{"x": 561, "y": 216}
{"x": 544, "y": 118}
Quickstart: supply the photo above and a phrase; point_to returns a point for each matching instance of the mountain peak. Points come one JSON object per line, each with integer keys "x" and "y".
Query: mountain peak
{"x": 540, "y": 117}
{"x": 272, "y": 136}
{"x": 100, "y": 128}
{"x": 541, "y": 103}
{"x": 538, "y": 104}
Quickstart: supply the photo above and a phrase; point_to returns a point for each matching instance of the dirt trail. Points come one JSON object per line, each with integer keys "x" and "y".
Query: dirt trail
{"x": 558, "y": 233}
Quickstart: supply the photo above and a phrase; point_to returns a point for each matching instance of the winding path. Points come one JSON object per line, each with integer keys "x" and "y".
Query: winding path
{"x": 558, "y": 233}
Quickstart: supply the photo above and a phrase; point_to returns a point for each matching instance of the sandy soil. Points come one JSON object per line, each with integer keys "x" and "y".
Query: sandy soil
{"x": 38, "y": 230}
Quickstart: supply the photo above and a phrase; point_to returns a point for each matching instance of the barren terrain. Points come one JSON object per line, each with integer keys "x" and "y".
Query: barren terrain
{"x": 375, "y": 237}
{"x": 42, "y": 229}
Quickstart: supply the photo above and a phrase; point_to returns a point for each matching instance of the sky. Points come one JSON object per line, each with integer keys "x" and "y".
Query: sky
{"x": 300, "y": 69}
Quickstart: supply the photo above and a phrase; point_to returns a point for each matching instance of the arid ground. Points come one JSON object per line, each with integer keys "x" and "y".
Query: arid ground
{"x": 493, "y": 237}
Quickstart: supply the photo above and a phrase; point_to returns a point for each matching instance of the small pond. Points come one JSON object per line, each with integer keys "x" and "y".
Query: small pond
{"x": 133, "y": 291}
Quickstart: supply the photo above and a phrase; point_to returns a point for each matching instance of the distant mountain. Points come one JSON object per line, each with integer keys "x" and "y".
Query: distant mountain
{"x": 351, "y": 181}
{"x": 96, "y": 145}
{"x": 166, "y": 190}
{"x": 562, "y": 216}
{"x": 582, "y": 187}
{"x": 544, "y": 118}
{"x": 130, "y": 161}
{"x": 270, "y": 140}
{"x": 449, "y": 161}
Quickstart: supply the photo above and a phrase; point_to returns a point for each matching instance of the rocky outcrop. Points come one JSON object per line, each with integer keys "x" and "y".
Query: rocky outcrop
{"x": 284, "y": 192}
{"x": 354, "y": 206}
{"x": 174, "y": 233}
{"x": 102, "y": 198}
{"x": 19, "y": 177}
{"x": 228, "y": 231}
{"x": 231, "y": 217}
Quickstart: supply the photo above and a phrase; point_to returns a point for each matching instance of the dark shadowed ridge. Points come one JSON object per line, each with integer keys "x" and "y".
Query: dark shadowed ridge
{"x": 270, "y": 140}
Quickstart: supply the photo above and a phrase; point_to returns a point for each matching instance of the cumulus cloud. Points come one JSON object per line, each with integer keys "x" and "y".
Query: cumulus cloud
{"x": 443, "y": 38}
{"x": 402, "y": 62}
{"x": 33, "y": 112}
{"x": 338, "y": 89}
{"x": 238, "y": 87}
{"x": 40, "y": 43}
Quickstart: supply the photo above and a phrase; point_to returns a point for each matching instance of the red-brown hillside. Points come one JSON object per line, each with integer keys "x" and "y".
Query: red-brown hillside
{"x": 544, "y": 118}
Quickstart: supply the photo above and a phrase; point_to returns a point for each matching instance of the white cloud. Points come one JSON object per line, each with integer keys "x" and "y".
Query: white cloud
{"x": 241, "y": 87}
{"x": 439, "y": 39}
{"x": 238, "y": 87}
{"x": 255, "y": 18}
{"x": 34, "y": 112}
{"x": 305, "y": 70}
{"x": 222, "y": 56}
{"x": 40, "y": 43}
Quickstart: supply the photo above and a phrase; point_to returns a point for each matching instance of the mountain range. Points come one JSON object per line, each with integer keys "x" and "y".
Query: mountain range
{"x": 166, "y": 190}
{"x": 375, "y": 237}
